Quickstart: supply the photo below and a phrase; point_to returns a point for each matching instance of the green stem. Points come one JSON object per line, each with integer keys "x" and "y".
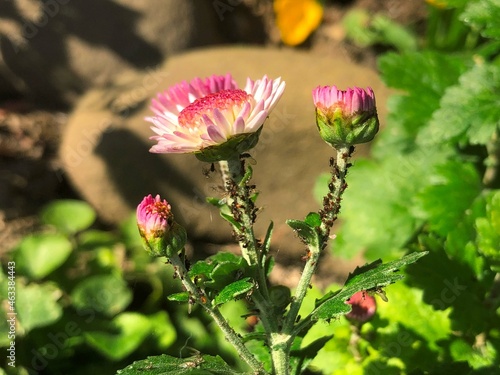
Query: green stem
{"x": 203, "y": 300}
{"x": 243, "y": 210}
{"x": 329, "y": 213}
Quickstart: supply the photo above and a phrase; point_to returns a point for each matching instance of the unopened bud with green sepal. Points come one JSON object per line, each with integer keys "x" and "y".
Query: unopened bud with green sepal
{"x": 161, "y": 235}
{"x": 345, "y": 117}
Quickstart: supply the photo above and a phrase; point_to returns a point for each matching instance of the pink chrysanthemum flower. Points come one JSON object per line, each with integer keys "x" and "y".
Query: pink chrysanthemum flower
{"x": 161, "y": 235}
{"x": 345, "y": 117}
{"x": 363, "y": 306}
{"x": 212, "y": 118}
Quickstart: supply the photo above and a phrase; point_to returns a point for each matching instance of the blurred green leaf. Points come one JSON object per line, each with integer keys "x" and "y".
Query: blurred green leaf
{"x": 130, "y": 233}
{"x": 92, "y": 238}
{"x": 167, "y": 365}
{"x": 368, "y": 277}
{"x": 233, "y": 291}
{"x": 106, "y": 294}
{"x": 424, "y": 76}
{"x": 37, "y": 306}
{"x": 483, "y": 15}
{"x": 488, "y": 230}
{"x": 40, "y": 254}
{"x": 68, "y": 216}
{"x": 393, "y": 34}
{"x": 453, "y": 188}
{"x": 477, "y": 357}
{"x": 127, "y": 331}
{"x": 162, "y": 329}
{"x": 469, "y": 111}
{"x": 406, "y": 308}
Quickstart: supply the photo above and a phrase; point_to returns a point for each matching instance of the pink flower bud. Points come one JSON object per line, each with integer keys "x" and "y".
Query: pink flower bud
{"x": 161, "y": 235}
{"x": 363, "y": 306}
{"x": 345, "y": 117}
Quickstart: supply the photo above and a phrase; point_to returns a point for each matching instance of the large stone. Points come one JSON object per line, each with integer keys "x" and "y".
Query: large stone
{"x": 105, "y": 146}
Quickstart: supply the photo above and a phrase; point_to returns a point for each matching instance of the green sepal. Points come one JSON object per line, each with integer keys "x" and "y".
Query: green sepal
{"x": 170, "y": 243}
{"x": 266, "y": 245}
{"x": 344, "y": 132}
{"x": 231, "y": 149}
{"x": 216, "y": 202}
{"x": 231, "y": 220}
{"x": 234, "y": 291}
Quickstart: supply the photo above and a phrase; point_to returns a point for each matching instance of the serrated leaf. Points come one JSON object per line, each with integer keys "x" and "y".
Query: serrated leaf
{"x": 167, "y": 365}
{"x": 483, "y": 15}
{"x": 233, "y": 291}
{"x": 179, "y": 297}
{"x": 469, "y": 111}
{"x": 380, "y": 276}
{"x": 424, "y": 76}
{"x": 453, "y": 188}
{"x": 69, "y": 216}
{"x": 37, "y": 305}
{"x": 305, "y": 232}
{"x": 128, "y": 332}
{"x": 106, "y": 294}
{"x": 40, "y": 254}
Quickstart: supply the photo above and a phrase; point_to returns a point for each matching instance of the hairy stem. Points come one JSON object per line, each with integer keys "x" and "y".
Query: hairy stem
{"x": 328, "y": 214}
{"x": 493, "y": 160}
{"x": 202, "y": 299}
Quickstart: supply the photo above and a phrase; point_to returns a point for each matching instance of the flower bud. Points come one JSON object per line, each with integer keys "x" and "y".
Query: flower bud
{"x": 363, "y": 306}
{"x": 161, "y": 235}
{"x": 345, "y": 118}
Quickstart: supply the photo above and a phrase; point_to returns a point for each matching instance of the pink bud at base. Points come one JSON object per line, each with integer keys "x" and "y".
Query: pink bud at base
{"x": 363, "y": 306}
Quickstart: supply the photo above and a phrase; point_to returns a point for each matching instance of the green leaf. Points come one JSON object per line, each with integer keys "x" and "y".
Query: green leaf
{"x": 179, "y": 297}
{"x": 91, "y": 239}
{"x": 218, "y": 270}
{"x": 106, "y": 294}
{"x": 68, "y": 216}
{"x": 37, "y": 306}
{"x": 488, "y": 230}
{"x": 305, "y": 232}
{"x": 162, "y": 329}
{"x": 127, "y": 332}
{"x": 392, "y": 33}
{"x": 167, "y": 365}
{"x": 406, "y": 308}
{"x": 300, "y": 358}
{"x": 424, "y": 76}
{"x": 368, "y": 277}
{"x": 40, "y": 254}
{"x": 216, "y": 202}
{"x": 313, "y": 220}
{"x": 483, "y": 15}
{"x": 230, "y": 219}
{"x": 233, "y": 291}
{"x": 453, "y": 188}
{"x": 266, "y": 245}
{"x": 469, "y": 111}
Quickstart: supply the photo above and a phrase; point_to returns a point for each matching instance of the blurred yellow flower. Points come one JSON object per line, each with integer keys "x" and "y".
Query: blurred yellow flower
{"x": 441, "y": 4}
{"x": 297, "y": 19}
